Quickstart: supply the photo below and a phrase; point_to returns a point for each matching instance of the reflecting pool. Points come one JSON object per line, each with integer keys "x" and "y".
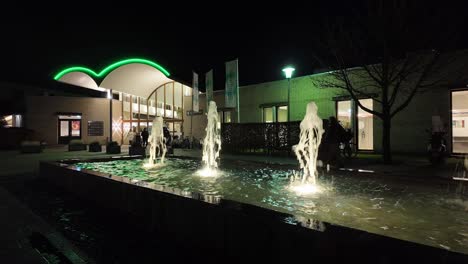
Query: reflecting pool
{"x": 413, "y": 210}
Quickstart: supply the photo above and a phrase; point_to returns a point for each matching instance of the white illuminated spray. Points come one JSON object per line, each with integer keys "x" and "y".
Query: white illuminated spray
{"x": 157, "y": 143}
{"x": 211, "y": 143}
{"x": 307, "y": 151}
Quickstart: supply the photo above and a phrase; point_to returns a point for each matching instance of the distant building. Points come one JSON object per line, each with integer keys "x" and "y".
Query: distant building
{"x": 78, "y": 106}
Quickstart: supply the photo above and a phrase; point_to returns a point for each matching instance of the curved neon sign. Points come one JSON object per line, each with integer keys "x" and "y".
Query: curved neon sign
{"x": 109, "y": 68}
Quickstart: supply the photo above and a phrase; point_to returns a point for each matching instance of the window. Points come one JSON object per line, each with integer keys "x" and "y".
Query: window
{"x": 13, "y": 120}
{"x": 151, "y": 109}
{"x": 168, "y": 110}
{"x": 269, "y": 114}
{"x": 460, "y": 121}
{"x": 344, "y": 113}
{"x": 187, "y": 91}
{"x": 135, "y": 107}
{"x": 64, "y": 129}
{"x": 282, "y": 113}
{"x": 227, "y": 117}
{"x": 143, "y": 108}
{"x": 126, "y": 107}
{"x": 364, "y": 128}
{"x": 224, "y": 116}
{"x": 75, "y": 128}
{"x": 277, "y": 113}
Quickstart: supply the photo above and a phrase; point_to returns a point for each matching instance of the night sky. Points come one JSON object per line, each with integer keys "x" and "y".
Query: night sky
{"x": 37, "y": 44}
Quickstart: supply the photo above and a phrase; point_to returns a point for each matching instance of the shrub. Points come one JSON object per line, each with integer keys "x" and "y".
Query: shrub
{"x": 112, "y": 143}
{"x": 28, "y": 143}
{"x": 29, "y": 146}
{"x": 95, "y": 147}
{"x": 113, "y": 148}
{"x": 76, "y": 142}
{"x": 94, "y": 143}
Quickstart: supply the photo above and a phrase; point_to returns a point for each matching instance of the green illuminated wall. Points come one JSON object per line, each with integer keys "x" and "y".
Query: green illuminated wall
{"x": 303, "y": 91}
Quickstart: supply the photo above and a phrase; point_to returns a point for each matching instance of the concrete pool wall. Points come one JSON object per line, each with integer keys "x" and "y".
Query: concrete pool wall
{"x": 231, "y": 228}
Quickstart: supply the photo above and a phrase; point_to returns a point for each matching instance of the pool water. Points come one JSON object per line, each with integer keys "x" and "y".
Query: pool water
{"x": 430, "y": 214}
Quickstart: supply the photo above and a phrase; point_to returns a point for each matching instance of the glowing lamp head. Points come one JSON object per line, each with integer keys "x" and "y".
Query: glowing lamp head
{"x": 288, "y": 71}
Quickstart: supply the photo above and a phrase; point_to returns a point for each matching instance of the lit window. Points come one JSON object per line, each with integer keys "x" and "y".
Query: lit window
{"x": 187, "y": 91}
{"x": 282, "y": 112}
{"x": 12, "y": 121}
{"x": 278, "y": 113}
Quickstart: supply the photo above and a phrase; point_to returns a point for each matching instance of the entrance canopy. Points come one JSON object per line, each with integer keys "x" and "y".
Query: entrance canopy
{"x": 135, "y": 76}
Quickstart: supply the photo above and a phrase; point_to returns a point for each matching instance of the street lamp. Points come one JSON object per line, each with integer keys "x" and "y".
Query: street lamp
{"x": 288, "y": 71}
{"x": 109, "y": 96}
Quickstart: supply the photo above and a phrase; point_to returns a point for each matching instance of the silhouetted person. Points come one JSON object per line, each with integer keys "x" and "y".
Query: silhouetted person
{"x": 145, "y": 136}
{"x": 167, "y": 135}
{"x": 334, "y": 135}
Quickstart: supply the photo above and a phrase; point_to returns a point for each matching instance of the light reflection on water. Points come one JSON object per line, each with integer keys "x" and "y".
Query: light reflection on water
{"x": 406, "y": 210}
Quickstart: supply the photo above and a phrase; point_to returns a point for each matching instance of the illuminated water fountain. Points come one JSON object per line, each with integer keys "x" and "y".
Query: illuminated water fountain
{"x": 405, "y": 208}
{"x": 307, "y": 151}
{"x": 157, "y": 144}
{"x": 211, "y": 143}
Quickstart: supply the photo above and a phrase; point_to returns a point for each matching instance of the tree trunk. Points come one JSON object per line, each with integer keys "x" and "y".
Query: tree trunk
{"x": 387, "y": 153}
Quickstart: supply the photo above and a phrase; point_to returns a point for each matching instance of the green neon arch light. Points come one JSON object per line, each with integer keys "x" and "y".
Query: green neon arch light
{"x": 109, "y": 68}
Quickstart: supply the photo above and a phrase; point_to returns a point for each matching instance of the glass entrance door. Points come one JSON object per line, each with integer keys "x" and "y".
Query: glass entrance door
{"x": 364, "y": 130}
{"x": 68, "y": 129}
{"x": 365, "y": 126}
{"x": 460, "y": 121}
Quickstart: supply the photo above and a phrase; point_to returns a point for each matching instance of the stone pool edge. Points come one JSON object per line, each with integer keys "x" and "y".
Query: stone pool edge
{"x": 230, "y": 227}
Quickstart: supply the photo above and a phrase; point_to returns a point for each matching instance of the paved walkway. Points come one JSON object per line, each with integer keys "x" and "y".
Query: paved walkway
{"x": 18, "y": 222}
{"x": 13, "y": 163}
{"x": 17, "y": 226}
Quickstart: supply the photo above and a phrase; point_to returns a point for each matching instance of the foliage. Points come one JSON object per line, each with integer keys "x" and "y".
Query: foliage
{"x": 76, "y": 142}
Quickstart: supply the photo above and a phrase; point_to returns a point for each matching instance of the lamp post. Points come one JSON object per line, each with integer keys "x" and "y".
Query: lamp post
{"x": 288, "y": 71}
{"x": 109, "y": 96}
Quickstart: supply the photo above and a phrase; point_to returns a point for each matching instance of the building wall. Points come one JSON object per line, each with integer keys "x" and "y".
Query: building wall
{"x": 408, "y": 132}
{"x": 41, "y": 115}
{"x": 303, "y": 90}
{"x": 408, "y": 127}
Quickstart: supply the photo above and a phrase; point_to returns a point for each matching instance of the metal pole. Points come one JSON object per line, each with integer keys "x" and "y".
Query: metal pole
{"x": 237, "y": 91}
{"x": 289, "y": 110}
{"x": 191, "y": 117}
{"x": 110, "y": 116}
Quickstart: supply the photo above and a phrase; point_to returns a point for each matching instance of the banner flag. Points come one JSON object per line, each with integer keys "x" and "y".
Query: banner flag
{"x": 232, "y": 84}
{"x": 195, "y": 100}
{"x": 209, "y": 88}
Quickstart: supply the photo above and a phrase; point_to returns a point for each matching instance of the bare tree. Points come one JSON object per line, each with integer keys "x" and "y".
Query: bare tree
{"x": 398, "y": 58}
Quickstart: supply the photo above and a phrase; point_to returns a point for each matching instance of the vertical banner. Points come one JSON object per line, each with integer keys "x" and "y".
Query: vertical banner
{"x": 232, "y": 84}
{"x": 196, "y": 105}
{"x": 209, "y": 88}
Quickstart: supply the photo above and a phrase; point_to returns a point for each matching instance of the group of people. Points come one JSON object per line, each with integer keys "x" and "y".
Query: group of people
{"x": 138, "y": 138}
{"x": 141, "y": 138}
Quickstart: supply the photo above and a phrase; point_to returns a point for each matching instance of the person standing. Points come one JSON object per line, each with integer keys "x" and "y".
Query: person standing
{"x": 145, "y": 136}
{"x": 131, "y": 135}
{"x": 333, "y": 137}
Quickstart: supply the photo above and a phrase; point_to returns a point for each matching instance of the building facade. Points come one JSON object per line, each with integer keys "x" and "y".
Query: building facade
{"x": 267, "y": 102}
{"x": 129, "y": 94}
